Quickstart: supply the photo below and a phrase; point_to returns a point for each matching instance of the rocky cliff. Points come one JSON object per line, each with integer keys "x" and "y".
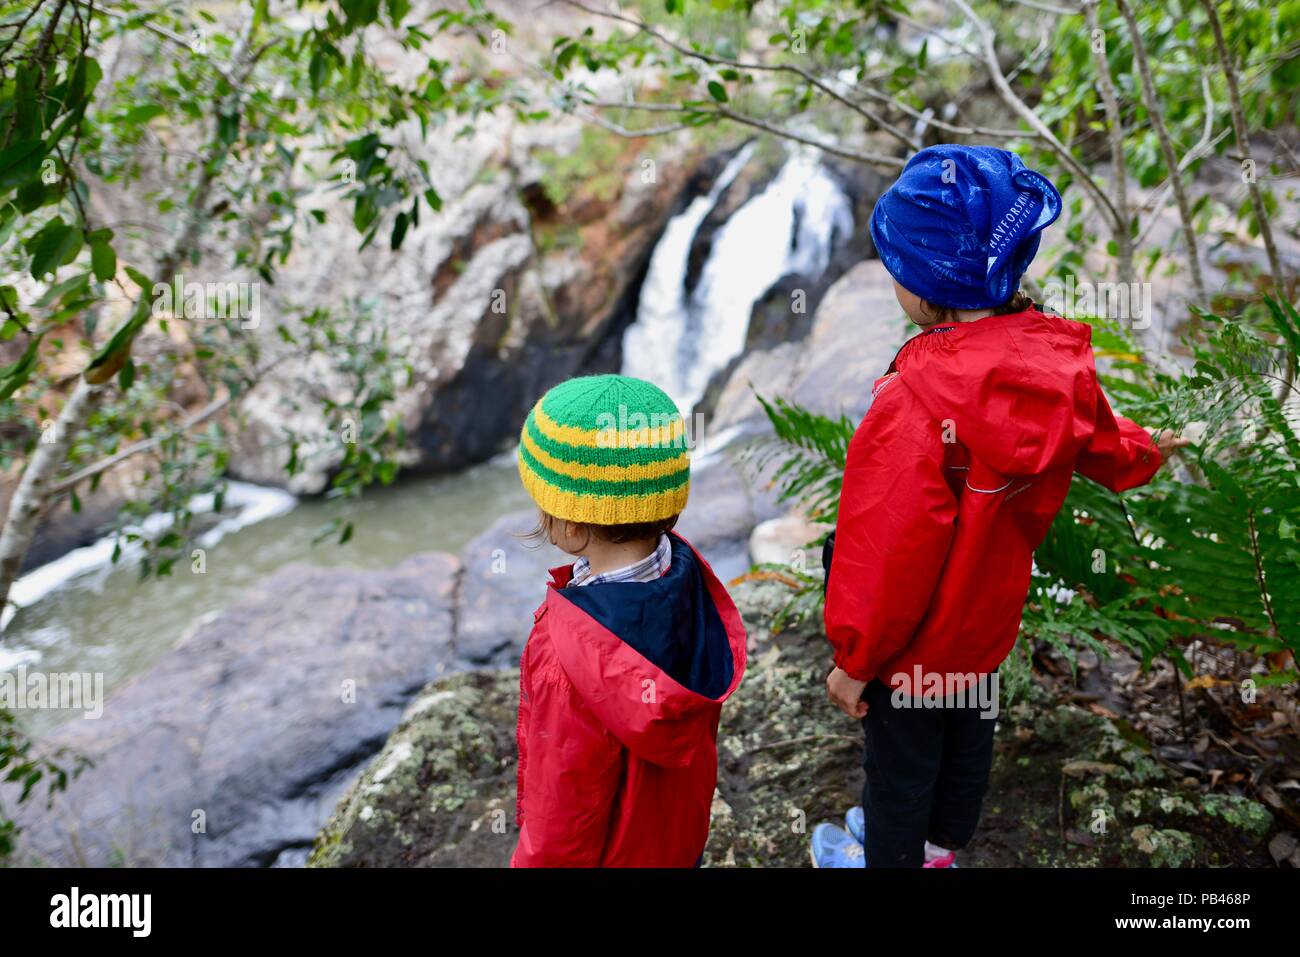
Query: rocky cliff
{"x": 528, "y": 275}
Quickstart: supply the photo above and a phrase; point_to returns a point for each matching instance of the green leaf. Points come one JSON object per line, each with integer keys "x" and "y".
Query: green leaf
{"x": 121, "y": 341}
{"x": 103, "y": 261}
{"x": 228, "y": 127}
{"x": 20, "y": 162}
{"x": 139, "y": 115}
{"x": 61, "y": 289}
{"x": 400, "y": 224}
{"x": 717, "y": 91}
{"x": 14, "y": 376}
{"x": 54, "y": 245}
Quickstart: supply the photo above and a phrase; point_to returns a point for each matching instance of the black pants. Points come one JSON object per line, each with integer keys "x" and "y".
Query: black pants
{"x": 927, "y": 771}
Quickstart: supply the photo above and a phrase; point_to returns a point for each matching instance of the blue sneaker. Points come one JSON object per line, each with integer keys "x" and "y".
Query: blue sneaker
{"x": 835, "y": 847}
{"x": 856, "y": 822}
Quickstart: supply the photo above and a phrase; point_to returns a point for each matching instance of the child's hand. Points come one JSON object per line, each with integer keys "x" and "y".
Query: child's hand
{"x": 846, "y": 693}
{"x": 1168, "y": 442}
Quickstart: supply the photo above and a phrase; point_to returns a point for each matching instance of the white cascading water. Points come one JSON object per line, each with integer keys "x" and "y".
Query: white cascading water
{"x": 649, "y": 344}
{"x": 788, "y": 228}
{"x": 245, "y": 504}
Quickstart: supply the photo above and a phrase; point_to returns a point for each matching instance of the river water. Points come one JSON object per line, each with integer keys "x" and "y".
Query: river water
{"x": 105, "y": 619}
{"x": 87, "y": 614}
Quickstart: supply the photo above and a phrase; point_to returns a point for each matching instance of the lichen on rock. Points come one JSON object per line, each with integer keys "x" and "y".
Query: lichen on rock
{"x": 441, "y": 792}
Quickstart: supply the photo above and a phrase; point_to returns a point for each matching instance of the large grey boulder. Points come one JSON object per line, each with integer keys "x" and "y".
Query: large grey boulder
{"x": 857, "y": 329}
{"x": 235, "y": 745}
{"x": 504, "y": 581}
{"x": 727, "y": 500}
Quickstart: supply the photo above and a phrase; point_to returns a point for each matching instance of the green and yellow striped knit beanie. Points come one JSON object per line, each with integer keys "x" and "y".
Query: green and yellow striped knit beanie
{"x": 606, "y": 450}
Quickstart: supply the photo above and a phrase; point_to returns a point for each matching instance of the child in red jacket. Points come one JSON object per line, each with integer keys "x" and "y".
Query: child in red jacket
{"x": 635, "y": 647}
{"x": 951, "y": 482}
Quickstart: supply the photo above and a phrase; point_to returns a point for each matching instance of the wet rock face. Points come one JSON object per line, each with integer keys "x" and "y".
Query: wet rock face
{"x": 250, "y": 729}
{"x": 543, "y": 313}
{"x": 518, "y": 283}
{"x": 755, "y": 177}
{"x": 773, "y": 319}
{"x": 787, "y": 312}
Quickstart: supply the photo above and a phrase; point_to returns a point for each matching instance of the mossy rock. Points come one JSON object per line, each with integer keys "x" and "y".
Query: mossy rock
{"x": 441, "y": 792}
{"x": 1094, "y": 795}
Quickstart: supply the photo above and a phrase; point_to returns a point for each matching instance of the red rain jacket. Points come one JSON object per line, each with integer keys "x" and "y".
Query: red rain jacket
{"x": 952, "y": 480}
{"x": 621, "y": 687}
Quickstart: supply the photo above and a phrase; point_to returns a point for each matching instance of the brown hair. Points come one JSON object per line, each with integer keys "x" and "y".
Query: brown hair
{"x": 1018, "y": 302}
{"x": 615, "y": 534}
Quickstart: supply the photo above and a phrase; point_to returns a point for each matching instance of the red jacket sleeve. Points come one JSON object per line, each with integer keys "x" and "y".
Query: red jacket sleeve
{"x": 569, "y": 786}
{"x": 1121, "y": 454}
{"x": 896, "y": 523}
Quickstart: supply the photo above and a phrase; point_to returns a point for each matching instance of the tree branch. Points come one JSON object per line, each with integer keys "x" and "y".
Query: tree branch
{"x": 1109, "y": 213}
{"x": 1203, "y": 146}
{"x": 210, "y": 410}
{"x": 163, "y": 32}
{"x": 715, "y": 60}
{"x": 1115, "y": 135}
{"x": 880, "y": 159}
{"x": 1157, "y": 117}
{"x": 1256, "y": 198}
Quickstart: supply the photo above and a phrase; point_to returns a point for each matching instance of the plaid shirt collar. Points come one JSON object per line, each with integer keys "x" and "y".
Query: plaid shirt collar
{"x": 655, "y": 565}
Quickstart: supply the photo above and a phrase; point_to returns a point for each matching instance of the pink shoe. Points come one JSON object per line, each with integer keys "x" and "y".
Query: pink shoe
{"x": 949, "y": 860}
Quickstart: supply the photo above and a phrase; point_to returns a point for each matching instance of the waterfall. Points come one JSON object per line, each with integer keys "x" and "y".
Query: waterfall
{"x": 789, "y": 228}
{"x": 649, "y": 344}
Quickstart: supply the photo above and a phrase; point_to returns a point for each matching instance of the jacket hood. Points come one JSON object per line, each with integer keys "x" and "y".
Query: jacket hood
{"x": 1019, "y": 390}
{"x": 654, "y": 660}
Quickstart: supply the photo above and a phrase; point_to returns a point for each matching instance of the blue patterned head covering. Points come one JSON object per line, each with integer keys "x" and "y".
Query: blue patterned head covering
{"x": 960, "y": 226}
